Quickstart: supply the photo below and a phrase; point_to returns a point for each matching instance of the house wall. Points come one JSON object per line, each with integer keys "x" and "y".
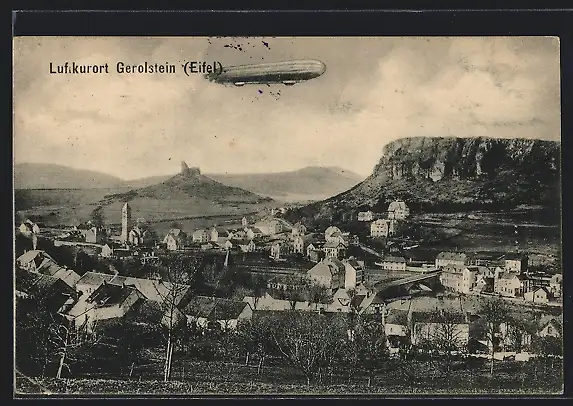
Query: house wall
{"x": 395, "y": 330}
{"x": 350, "y": 277}
{"x": 394, "y": 266}
{"x": 428, "y": 331}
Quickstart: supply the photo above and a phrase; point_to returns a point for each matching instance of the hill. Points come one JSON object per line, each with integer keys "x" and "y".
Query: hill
{"x": 310, "y": 182}
{"x": 50, "y": 176}
{"x": 450, "y": 174}
{"x": 187, "y": 194}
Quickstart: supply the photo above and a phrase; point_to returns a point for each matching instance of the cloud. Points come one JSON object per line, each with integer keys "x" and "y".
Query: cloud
{"x": 374, "y": 90}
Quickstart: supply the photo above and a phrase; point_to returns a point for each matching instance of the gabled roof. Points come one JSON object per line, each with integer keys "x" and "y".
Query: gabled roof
{"x": 94, "y": 278}
{"x": 175, "y": 232}
{"x": 334, "y": 244}
{"x": 436, "y": 317}
{"x": 200, "y": 232}
{"x": 68, "y": 276}
{"x": 455, "y": 256}
{"x": 397, "y": 316}
{"x": 110, "y": 295}
{"x": 214, "y": 308}
{"x": 400, "y": 260}
{"x": 331, "y": 265}
{"x": 397, "y": 205}
{"x": 29, "y": 256}
{"x": 547, "y": 319}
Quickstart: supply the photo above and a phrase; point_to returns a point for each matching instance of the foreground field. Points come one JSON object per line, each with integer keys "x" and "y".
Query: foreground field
{"x": 408, "y": 377}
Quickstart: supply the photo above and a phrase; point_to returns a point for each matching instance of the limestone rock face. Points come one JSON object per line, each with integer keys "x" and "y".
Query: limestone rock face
{"x": 450, "y": 172}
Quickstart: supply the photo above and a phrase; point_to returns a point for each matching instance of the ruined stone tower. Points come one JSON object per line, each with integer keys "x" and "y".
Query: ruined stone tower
{"x": 125, "y": 221}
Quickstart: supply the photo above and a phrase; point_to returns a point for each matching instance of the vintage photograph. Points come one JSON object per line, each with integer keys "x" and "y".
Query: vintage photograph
{"x": 317, "y": 216}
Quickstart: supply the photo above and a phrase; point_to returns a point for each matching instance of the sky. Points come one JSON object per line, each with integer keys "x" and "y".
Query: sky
{"x": 375, "y": 90}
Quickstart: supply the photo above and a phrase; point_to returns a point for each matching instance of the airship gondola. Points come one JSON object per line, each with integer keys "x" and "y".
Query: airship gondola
{"x": 287, "y": 73}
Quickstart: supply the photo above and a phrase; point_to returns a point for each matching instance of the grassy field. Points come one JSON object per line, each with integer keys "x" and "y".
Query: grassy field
{"x": 395, "y": 378}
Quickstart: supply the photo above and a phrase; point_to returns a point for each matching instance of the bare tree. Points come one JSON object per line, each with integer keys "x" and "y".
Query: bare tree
{"x": 178, "y": 273}
{"x": 306, "y": 340}
{"x": 448, "y": 335}
{"x": 319, "y": 294}
{"x": 495, "y": 314}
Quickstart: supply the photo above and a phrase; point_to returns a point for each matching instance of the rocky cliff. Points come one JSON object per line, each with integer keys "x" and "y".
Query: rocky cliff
{"x": 455, "y": 173}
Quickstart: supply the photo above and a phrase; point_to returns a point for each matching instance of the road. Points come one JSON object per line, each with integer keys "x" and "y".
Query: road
{"x": 370, "y": 251}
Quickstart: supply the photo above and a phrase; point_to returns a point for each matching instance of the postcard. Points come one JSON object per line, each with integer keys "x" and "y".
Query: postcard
{"x": 222, "y": 216}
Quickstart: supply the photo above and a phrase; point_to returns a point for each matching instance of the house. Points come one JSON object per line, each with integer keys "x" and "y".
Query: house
{"x": 238, "y": 235}
{"x": 47, "y": 291}
{"x": 451, "y": 258}
{"x": 391, "y": 263}
{"x": 203, "y": 311}
{"x": 276, "y": 248}
{"x": 515, "y": 262}
{"x": 510, "y": 284}
{"x": 314, "y": 252}
{"x": 175, "y": 239}
{"x": 34, "y": 260}
{"x": 298, "y": 244}
{"x": 398, "y": 210}
{"x": 106, "y": 251}
{"x": 334, "y": 249}
{"x": 539, "y": 295}
{"x": 276, "y": 226}
{"x": 382, "y": 228}
{"x": 332, "y": 234}
{"x": 556, "y": 285}
{"x": 298, "y": 229}
{"x": 287, "y": 282}
{"x": 201, "y": 236}
{"x": 136, "y": 236}
{"x": 28, "y": 228}
{"x": 95, "y": 235}
{"x": 329, "y": 272}
{"x": 107, "y": 301}
{"x": 459, "y": 279}
{"x": 395, "y": 324}
{"x": 224, "y": 243}
{"x": 365, "y": 216}
{"x": 214, "y": 234}
{"x": 484, "y": 284}
{"x": 434, "y": 327}
{"x": 209, "y": 246}
{"x": 90, "y": 281}
{"x": 68, "y": 276}
{"x": 244, "y": 222}
{"x": 353, "y": 273}
{"x": 253, "y": 232}
{"x": 246, "y": 245}
{"x": 550, "y": 326}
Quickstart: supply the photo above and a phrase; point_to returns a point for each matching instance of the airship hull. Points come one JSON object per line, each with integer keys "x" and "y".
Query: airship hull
{"x": 266, "y": 73}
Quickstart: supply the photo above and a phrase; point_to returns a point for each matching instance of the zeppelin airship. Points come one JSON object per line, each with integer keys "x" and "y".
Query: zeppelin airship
{"x": 288, "y": 73}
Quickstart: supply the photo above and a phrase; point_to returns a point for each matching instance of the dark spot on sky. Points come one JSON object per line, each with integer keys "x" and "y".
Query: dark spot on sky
{"x": 266, "y": 44}
{"x": 260, "y": 91}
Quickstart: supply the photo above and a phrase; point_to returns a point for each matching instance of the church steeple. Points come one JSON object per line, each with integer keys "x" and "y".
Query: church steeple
{"x": 125, "y": 221}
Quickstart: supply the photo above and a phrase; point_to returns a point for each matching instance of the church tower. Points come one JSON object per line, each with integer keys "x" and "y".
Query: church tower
{"x": 125, "y": 221}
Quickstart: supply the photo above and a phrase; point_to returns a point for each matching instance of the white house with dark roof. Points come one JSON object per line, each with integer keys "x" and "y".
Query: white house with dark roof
{"x": 330, "y": 272}
{"x": 451, "y": 258}
{"x": 203, "y": 310}
{"x": 201, "y": 236}
{"x": 392, "y": 263}
{"x": 538, "y": 295}
{"x": 175, "y": 239}
{"x": 398, "y": 210}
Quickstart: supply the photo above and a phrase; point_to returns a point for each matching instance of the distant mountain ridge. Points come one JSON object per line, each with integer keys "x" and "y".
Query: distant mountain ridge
{"x": 320, "y": 182}
{"x": 51, "y": 176}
